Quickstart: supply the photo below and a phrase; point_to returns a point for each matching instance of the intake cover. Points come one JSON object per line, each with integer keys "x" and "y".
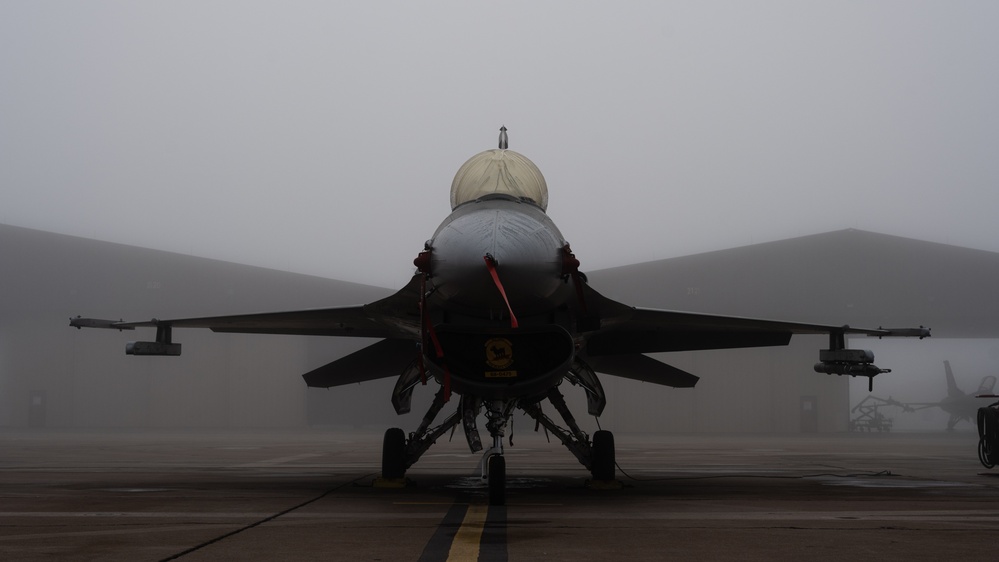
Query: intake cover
{"x": 493, "y": 363}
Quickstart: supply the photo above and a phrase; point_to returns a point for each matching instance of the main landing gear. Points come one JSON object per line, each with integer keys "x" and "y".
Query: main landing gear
{"x": 602, "y": 454}
{"x": 400, "y": 453}
{"x": 596, "y": 455}
{"x": 394, "y": 454}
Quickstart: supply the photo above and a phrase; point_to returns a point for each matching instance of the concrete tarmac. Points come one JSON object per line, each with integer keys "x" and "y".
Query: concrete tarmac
{"x": 308, "y": 495}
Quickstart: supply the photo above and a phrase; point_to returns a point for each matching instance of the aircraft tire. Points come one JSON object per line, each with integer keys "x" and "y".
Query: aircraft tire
{"x": 603, "y": 456}
{"x": 497, "y": 480}
{"x": 988, "y": 436}
{"x": 394, "y": 454}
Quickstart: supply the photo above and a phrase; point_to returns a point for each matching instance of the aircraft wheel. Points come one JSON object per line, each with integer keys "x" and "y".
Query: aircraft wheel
{"x": 984, "y": 453}
{"x": 497, "y": 480}
{"x": 603, "y": 456}
{"x": 394, "y": 454}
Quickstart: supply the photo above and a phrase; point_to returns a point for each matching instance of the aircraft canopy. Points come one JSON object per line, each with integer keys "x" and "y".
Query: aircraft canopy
{"x": 499, "y": 171}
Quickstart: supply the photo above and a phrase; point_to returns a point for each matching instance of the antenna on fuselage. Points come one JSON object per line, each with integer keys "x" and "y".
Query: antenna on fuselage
{"x": 503, "y": 141}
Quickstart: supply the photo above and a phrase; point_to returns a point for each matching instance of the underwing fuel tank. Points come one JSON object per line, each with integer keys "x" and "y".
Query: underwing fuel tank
{"x": 498, "y": 199}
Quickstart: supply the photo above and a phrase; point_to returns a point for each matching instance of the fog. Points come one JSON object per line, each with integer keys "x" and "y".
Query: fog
{"x": 918, "y": 377}
{"x": 54, "y": 376}
{"x": 321, "y": 138}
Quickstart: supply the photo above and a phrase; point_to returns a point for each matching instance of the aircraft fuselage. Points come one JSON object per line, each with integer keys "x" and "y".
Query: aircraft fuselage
{"x": 499, "y": 313}
{"x": 526, "y": 248}
{"x": 499, "y": 300}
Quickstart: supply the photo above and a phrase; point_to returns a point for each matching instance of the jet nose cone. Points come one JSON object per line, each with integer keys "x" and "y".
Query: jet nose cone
{"x": 523, "y": 245}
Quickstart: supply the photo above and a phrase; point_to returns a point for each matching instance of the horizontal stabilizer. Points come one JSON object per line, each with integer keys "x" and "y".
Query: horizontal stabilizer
{"x": 642, "y": 368}
{"x": 386, "y": 358}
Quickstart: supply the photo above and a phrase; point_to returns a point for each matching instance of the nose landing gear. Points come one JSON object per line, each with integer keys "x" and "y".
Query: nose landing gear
{"x": 398, "y": 453}
{"x": 493, "y": 465}
{"x": 497, "y": 480}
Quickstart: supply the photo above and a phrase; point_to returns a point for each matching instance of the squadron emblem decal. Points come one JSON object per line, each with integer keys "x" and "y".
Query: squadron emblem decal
{"x": 499, "y": 353}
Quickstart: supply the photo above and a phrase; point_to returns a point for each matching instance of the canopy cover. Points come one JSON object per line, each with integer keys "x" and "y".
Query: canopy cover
{"x": 499, "y": 171}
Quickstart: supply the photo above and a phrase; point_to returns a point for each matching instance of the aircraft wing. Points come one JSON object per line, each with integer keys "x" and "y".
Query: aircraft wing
{"x": 396, "y": 316}
{"x": 625, "y": 329}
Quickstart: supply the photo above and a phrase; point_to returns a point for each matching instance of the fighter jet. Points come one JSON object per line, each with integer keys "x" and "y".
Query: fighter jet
{"x": 497, "y": 315}
{"x": 959, "y": 405}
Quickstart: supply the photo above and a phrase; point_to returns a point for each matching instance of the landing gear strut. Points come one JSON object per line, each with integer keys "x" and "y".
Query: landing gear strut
{"x": 493, "y": 464}
{"x": 399, "y": 453}
{"x": 598, "y": 455}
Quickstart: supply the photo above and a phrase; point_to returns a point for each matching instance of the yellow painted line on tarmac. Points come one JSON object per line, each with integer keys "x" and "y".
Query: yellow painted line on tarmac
{"x": 422, "y": 503}
{"x": 465, "y": 545}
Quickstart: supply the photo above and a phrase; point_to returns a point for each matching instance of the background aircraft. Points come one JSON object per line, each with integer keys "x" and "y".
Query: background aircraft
{"x": 500, "y": 314}
{"x": 959, "y": 405}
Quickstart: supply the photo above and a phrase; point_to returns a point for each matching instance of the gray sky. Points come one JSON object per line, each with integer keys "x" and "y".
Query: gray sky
{"x": 322, "y": 137}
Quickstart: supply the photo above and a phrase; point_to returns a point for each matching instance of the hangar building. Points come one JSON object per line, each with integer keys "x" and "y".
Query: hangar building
{"x": 54, "y": 376}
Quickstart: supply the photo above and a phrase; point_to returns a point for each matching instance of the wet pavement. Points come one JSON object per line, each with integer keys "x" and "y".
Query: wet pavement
{"x": 308, "y": 495}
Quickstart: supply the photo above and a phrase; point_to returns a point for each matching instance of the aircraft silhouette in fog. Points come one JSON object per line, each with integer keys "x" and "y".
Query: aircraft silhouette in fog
{"x": 959, "y": 405}
{"x": 499, "y": 313}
